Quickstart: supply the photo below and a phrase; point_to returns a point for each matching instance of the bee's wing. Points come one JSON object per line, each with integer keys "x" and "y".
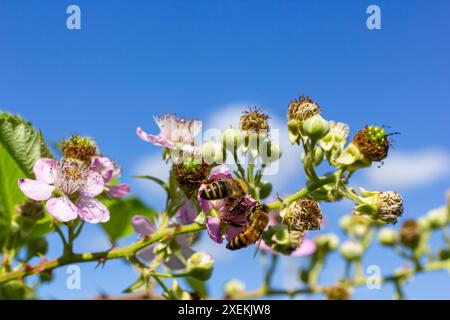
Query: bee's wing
{"x": 257, "y": 245}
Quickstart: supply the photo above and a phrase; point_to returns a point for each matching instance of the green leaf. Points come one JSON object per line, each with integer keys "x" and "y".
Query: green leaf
{"x": 23, "y": 143}
{"x": 122, "y": 211}
{"x": 155, "y": 179}
{"x": 10, "y": 194}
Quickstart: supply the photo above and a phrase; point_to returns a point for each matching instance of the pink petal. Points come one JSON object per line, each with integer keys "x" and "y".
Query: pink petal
{"x": 62, "y": 209}
{"x": 156, "y": 140}
{"x": 103, "y": 166}
{"x": 146, "y": 254}
{"x": 121, "y": 190}
{"x": 143, "y": 226}
{"x": 36, "y": 190}
{"x": 92, "y": 210}
{"x": 187, "y": 212}
{"x": 232, "y": 232}
{"x": 220, "y": 172}
{"x": 45, "y": 170}
{"x": 306, "y": 248}
{"x": 214, "y": 229}
{"x": 94, "y": 185}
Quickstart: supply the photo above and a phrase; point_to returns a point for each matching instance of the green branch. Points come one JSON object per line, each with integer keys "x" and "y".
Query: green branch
{"x": 118, "y": 253}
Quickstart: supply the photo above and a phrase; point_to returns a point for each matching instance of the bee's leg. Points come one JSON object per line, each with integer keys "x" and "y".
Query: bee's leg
{"x": 234, "y": 204}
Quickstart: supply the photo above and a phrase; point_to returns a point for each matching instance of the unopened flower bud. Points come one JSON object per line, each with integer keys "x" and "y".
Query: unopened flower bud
{"x": 387, "y": 237}
{"x": 438, "y": 218}
{"x": 327, "y": 242}
{"x": 303, "y": 215}
{"x": 200, "y": 266}
{"x": 316, "y": 127}
{"x": 234, "y": 287}
{"x": 80, "y": 148}
{"x": 338, "y": 292}
{"x": 212, "y": 152}
{"x": 373, "y": 143}
{"x": 254, "y": 120}
{"x": 410, "y": 233}
{"x": 232, "y": 138}
{"x": 30, "y": 209}
{"x": 179, "y": 293}
{"x": 352, "y": 250}
{"x": 269, "y": 152}
{"x": 190, "y": 175}
{"x": 265, "y": 188}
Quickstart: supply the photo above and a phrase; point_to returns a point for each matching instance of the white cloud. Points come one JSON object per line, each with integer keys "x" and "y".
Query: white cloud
{"x": 407, "y": 170}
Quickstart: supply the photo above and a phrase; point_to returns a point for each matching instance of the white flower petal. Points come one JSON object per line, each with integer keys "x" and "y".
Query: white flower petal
{"x": 36, "y": 190}
{"x": 94, "y": 185}
{"x": 45, "y": 170}
{"x": 62, "y": 209}
{"x": 92, "y": 210}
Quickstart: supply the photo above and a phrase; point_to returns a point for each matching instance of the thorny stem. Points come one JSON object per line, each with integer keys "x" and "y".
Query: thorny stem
{"x": 115, "y": 253}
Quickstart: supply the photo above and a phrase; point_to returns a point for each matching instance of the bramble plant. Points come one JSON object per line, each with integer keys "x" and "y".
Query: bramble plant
{"x": 216, "y": 187}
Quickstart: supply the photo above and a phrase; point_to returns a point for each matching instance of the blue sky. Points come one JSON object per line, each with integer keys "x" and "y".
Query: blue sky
{"x": 205, "y": 59}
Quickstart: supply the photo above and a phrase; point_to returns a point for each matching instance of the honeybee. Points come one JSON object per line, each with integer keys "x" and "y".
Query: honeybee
{"x": 225, "y": 188}
{"x": 258, "y": 219}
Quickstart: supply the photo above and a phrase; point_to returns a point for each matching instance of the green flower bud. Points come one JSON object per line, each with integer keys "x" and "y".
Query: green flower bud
{"x": 212, "y": 152}
{"x": 316, "y": 127}
{"x": 438, "y": 218}
{"x": 410, "y": 233}
{"x": 200, "y": 266}
{"x": 234, "y": 287}
{"x": 269, "y": 152}
{"x": 327, "y": 242}
{"x": 265, "y": 188}
{"x": 386, "y": 206}
{"x": 232, "y": 138}
{"x": 303, "y": 215}
{"x": 254, "y": 142}
{"x": 387, "y": 237}
{"x": 352, "y": 250}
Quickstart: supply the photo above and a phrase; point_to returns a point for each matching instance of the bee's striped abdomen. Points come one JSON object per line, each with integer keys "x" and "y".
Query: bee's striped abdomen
{"x": 215, "y": 190}
{"x": 242, "y": 240}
